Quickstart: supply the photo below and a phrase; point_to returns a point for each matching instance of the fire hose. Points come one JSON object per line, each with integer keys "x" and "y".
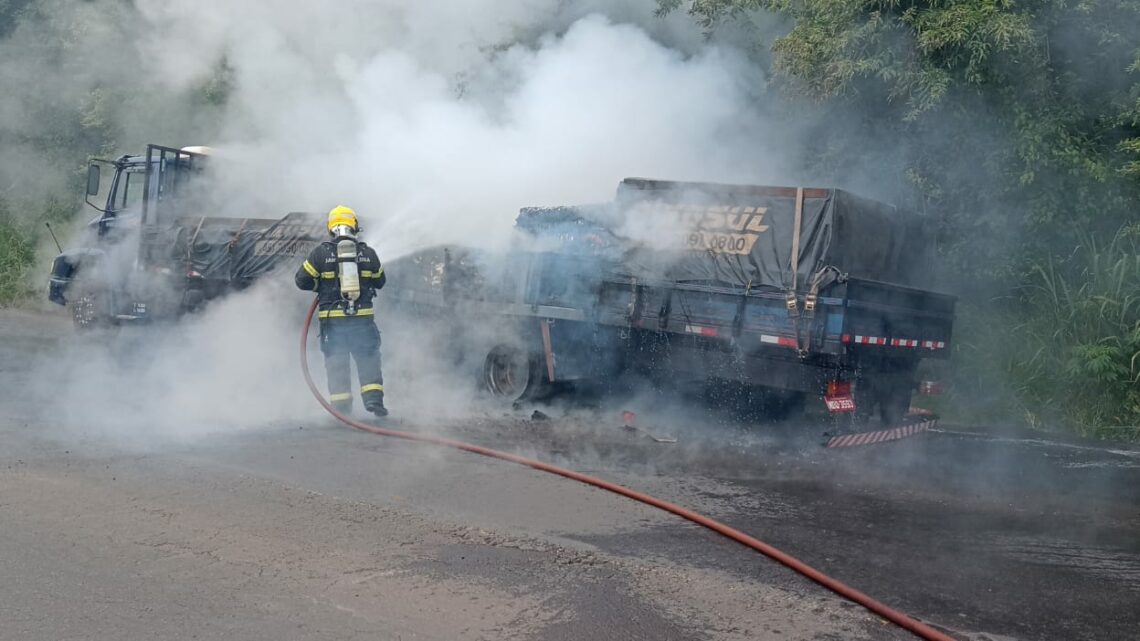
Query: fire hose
{"x": 920, "y": 629}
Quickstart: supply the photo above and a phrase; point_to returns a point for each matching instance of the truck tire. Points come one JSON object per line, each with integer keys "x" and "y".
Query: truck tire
{"x": 512, "y": 375}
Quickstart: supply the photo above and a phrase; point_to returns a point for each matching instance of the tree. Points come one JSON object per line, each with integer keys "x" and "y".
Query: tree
{"x": 1016, "y": 124}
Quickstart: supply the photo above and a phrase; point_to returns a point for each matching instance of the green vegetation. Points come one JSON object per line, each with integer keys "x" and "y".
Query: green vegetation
{"x": 16, "y": 253}
{"x": 1082, "y": 334}
{"x": 47, "y": 132}
{"x": 80, "y": 96}
{"x": 1010, "y": 121}
{"x": 1064, "y": 350}
{"x": 22, "y": 270}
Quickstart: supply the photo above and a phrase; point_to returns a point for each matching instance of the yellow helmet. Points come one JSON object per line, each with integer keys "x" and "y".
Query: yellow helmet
{"x": 341, "y": 215}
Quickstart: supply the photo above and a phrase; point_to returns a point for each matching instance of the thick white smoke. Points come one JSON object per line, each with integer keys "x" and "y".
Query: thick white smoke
{"x": 232, "y": 368}
{"x": 438, "y": 120}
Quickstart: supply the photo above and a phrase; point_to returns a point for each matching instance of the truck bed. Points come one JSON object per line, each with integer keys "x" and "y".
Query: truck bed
{"x": 228, "y": 249}
{"x": 851, "y": 316}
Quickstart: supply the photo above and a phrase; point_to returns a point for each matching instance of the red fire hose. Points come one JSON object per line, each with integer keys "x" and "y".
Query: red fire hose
{"x": 894, "y": 616}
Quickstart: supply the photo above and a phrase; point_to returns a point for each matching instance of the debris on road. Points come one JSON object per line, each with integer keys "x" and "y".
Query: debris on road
{"x": 628, "y": 419}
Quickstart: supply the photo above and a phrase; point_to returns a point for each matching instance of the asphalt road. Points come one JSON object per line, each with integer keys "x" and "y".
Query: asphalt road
{"x": 240, "y": 512}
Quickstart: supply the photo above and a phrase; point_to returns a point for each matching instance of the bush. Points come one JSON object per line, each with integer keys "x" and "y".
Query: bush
{"x": 22, "y": 270}
{"x": 1083, "y": 327}
{"x": 1068, "y": 351}
{"x": 983, "y": 386}
{"x": 17, "y": 250}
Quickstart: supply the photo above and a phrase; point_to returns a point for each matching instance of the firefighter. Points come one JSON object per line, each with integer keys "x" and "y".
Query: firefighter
{"x": 346, "y": 273}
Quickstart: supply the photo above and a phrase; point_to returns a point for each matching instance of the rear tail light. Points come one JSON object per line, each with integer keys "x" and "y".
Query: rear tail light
{"x": 840, "y": 388}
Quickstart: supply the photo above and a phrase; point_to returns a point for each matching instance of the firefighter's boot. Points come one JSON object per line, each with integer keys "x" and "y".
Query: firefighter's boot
{"x": 373, "y": 396}
{"x": 341, "y": 403}
{"x": 377, "y": 407}
{"x": 375, "y": 404}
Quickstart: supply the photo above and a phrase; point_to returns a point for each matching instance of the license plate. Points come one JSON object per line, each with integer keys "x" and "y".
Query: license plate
{"x": 839, "y": 404}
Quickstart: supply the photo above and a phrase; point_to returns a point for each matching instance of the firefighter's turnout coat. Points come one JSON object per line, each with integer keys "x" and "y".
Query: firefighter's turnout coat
{"x": 319, "y": 274}
{"x": 344, "y": 335}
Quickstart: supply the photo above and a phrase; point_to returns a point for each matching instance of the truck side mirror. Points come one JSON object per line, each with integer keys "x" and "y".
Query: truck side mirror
{"x": 93, "y": 180}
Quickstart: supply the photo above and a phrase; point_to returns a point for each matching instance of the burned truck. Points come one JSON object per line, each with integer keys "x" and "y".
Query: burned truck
{"x": 161, "y": 246}
{"x": 795, "y": 293}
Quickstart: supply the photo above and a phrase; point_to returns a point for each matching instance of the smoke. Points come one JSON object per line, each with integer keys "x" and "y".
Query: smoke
{"x": 438, "y": 122}
{"x": 230, "y": 369}
{"x": 75, "y": 89}
{"x": 435, "y": 120}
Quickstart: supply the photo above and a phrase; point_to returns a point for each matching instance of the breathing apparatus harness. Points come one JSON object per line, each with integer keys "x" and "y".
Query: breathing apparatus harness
{"x": 348, "y": 272}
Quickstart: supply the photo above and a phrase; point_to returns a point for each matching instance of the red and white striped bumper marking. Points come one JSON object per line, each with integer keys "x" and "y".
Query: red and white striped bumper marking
{"x": 783, "y": 341}
{"x": 893, "y": 342}
{"x": 882, "y": 436}
{"x": 701, "y": 330}
{"x": 864, "y": 340}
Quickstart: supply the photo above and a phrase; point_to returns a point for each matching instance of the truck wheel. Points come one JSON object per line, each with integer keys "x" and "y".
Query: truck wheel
{"x": 511, "y": 374}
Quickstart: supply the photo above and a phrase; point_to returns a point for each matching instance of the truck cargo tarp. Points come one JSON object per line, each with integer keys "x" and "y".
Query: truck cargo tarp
{"x": 742, "y": 236}
{"x": 245, "y": 248}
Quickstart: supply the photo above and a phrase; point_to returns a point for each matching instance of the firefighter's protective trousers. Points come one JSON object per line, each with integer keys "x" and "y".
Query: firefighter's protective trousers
{"x": 358, "y": 338}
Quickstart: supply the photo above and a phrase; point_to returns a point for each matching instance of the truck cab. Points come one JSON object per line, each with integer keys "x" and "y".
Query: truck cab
{"x": 158, "y": 248}
{"x": 123, "y": 199}
{"x": 121, "y": 205}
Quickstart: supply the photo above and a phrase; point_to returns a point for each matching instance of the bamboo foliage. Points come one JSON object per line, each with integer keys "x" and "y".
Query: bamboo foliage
{"x": 1081, "y": 355}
